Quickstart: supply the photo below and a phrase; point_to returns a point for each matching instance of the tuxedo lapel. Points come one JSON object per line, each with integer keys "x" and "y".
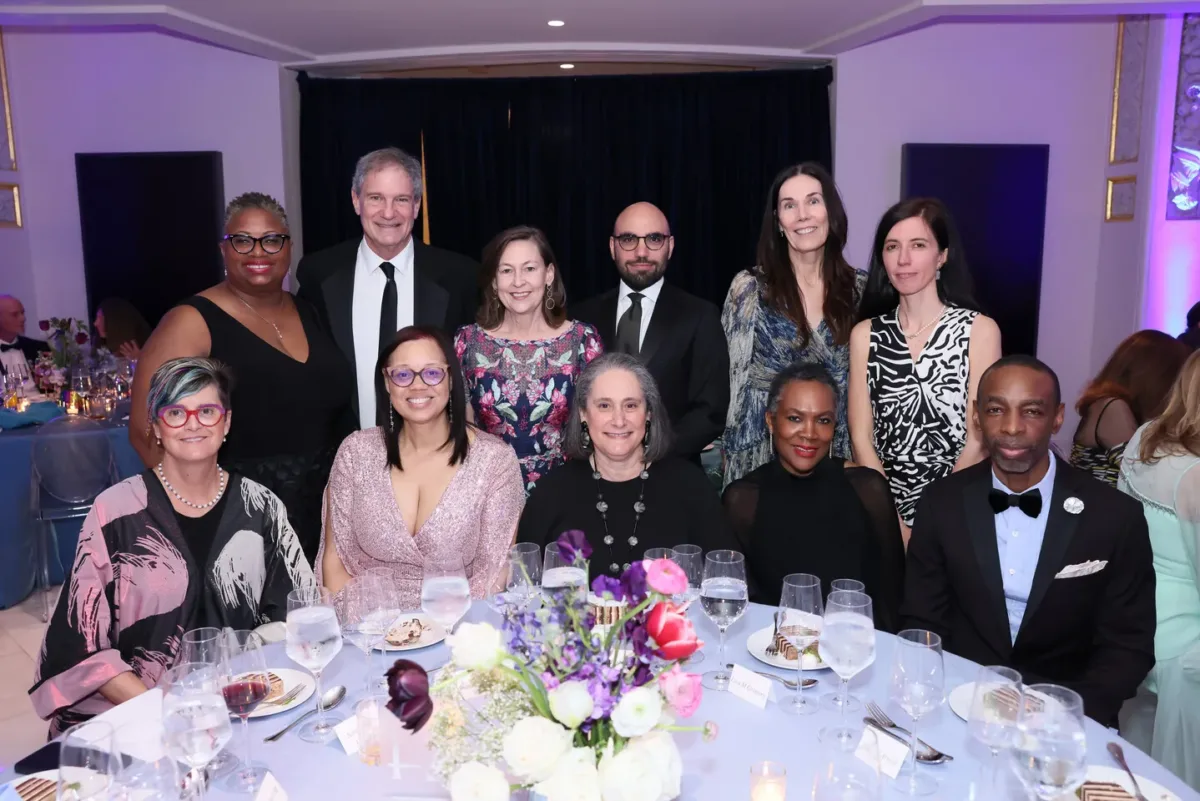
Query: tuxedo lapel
{"x": 606, "y": 318}
{"x": 338, "y": 290}
{"x": 431, "y": 300}
{"x": 981, "y": 522}
{"x": 660, "y": 324}
{"x": 1060, "y": 528}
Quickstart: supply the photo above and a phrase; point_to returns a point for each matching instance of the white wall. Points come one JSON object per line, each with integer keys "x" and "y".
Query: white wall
{"x": 78, "y": 92}
{"x": 995, "y": 83}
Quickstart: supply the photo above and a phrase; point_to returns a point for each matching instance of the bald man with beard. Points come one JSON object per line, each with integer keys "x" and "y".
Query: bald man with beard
{"x": 677, "y": 336}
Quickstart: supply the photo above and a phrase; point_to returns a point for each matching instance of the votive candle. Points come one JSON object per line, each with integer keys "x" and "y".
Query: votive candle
{"x": 768, "y": 782}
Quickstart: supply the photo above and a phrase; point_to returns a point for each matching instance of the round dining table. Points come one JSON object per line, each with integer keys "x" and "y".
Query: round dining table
{"x": 712, "y": 771}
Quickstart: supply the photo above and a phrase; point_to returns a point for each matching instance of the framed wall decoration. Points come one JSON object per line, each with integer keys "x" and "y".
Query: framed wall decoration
{"x": 1129, "y": 81}
{"x": 1120, "y": 198}
{"x": 8, "y": 149}
{"x": 10, "y": 206}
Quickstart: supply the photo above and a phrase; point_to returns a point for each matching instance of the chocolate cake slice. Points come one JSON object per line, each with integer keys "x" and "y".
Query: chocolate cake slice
{"x": 1102, "y": 791}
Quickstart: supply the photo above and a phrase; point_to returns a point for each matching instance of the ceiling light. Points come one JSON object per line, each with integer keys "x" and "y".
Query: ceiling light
{"x": 566, "y": 66}
{"x": 556, "y": 23}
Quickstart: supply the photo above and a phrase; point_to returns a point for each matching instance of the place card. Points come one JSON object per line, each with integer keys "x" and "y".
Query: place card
{"x": 270, "y": 790}
{"x": 347, "y": 734}
{"x": 885, "y": 754}
{"x": 750, "y": 687}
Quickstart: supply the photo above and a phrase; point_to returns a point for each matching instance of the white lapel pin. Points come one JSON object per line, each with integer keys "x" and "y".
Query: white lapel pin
{"x": 1073, "y": 505}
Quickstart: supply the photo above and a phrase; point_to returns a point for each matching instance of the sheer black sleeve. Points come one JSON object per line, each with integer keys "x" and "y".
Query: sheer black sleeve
{"x": 885, "y": 554}
{"x": 741, "y": 505}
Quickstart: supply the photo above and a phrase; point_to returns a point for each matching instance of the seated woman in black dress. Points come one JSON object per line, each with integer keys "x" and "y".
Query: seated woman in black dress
{"x": 619, "y": 485}
{"x": 805, "y": 512}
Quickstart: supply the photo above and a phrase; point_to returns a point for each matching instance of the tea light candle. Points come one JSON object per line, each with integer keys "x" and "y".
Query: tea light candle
{"x": 768, "y": 782}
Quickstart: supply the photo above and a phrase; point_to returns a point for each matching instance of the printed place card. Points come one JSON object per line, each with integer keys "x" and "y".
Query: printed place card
{"x": 885, "y": 754}
{"x": 750, "y": 687}
{"x": 347, "y": 734}
{"x": 270, "y": 790}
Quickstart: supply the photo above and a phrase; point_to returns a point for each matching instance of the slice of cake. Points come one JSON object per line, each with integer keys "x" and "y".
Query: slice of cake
{"x": 406, "y": 632}
{"x": 1103, "y": 791}
{"x": 784, "y": 647}
{"x": 606, "y": 610}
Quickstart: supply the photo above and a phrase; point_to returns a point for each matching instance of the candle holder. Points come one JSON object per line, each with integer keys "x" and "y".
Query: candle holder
{"x": 768, "y": 782}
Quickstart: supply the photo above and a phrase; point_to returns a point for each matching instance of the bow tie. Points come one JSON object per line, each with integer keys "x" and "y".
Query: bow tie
{"x": 6, "y": 348}
{"x": 1030, "y": 502}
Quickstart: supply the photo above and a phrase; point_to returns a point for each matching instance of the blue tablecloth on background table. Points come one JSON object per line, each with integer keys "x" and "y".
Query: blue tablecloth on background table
{"x": 18, "y": 531}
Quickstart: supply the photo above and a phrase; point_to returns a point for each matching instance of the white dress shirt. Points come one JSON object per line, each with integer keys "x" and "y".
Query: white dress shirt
{"x": 369, "y": 283}
{"x": 14, "y": 359}
{"x": 1019, "y": 541}
{"x": 649, "y": 299}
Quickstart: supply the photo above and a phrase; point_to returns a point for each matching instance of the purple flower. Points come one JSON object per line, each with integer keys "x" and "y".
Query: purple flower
{"x": 633, "y": 581}
{"x": 607, "y": 585}
{"x": 640, "y": 643}
{"x": 573, "y": 545}
{"x": 408, "y": 689}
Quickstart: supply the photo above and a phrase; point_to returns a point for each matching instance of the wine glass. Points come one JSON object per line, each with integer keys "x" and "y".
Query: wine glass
{"x": 657, "y": 553}
{"x": 245, "y": 683}
{"x": 445, "y": 592}
{"x": 140, "y": 779}
{"x": 800, "y": 618}
{"x": 847, "y": 646}
{"x": 314, "y": 638}
{"x": 847, "y": 585}
{"x": 690, "y": 559}
{"x": 88, "y": 762}
{"x": 993, "y": 717}
{"x": 918, "y": 686}
{"x": 1049, "y": 752}
{"x": 524, "y": 573}
{"x": 195, "y": 719}
{"x": 203, "y": 646}
{"x": 559, "y": 574}
{"x": 724, "y": 598}
{"x": 846, "y": 777}
{"x": 365, "y": 616}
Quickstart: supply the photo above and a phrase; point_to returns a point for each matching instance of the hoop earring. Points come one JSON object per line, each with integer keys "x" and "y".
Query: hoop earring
{"x": 549, "y": 302}
{"x": 585, "y": 437}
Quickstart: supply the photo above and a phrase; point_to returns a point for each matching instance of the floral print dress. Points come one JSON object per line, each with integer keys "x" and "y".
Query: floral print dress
{"x": 521, "y": 390}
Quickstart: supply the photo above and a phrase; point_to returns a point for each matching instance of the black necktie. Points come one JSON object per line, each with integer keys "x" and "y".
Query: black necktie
{"x": 387, "y": 309}
{"x": 1030, "y": 502}
{"x": 629, "y": 327}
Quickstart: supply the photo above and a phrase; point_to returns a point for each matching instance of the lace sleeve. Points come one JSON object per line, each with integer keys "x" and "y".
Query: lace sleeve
{"x": 872, "y": 490}
{"x": 1187, "y": 506}
{"x": 741, "y": 504}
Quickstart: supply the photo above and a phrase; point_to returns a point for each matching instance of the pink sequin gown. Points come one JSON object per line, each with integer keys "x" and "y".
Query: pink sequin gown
{"x": 476, "y": 517}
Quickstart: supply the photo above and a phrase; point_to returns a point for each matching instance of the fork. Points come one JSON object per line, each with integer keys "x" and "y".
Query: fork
{"x": 884, "y": 720}
{"x": 287, "y": 697}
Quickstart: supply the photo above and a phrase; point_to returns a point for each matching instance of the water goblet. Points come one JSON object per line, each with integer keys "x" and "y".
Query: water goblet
{"x": 847, "y": 646}
{"x": 724, "y": 598}
{"x": 801, "y": 611}
{"x": 314, "y": 638}
{"x": 993, "y": 716}
{"x": 1049, "y": 752}
{"x": 918, "y": 686}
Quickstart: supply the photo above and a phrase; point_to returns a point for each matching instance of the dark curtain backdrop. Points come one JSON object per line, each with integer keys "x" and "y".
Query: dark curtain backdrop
{"x": 567, "y": 154}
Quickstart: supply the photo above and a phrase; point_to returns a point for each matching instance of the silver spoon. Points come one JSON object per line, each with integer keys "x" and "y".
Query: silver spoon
{"x": 332, "y": 697}
{"x": 1118, "y": 753}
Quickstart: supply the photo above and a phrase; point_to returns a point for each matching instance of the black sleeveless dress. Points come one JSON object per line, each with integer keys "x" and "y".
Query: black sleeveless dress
{"x": 289, "y": 417}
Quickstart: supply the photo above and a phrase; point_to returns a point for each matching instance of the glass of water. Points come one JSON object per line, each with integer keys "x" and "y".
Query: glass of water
{"x": 918, "y": 686}
{"x": 196, "y": 722}
{"x": 690, "y": 559}
{"x": 314, "y": 638}
{"x": 558, "y": 574}
{"x": 445, "y": 592}
{"x": 800, "y": 619}
{"x": 993, "y": 716}
{"x": 1049, "y": 752}
{"x": 847, "y": 646}
{"x": 524, "y": 573}
{"x": 847, "y": 585}
{"x": 88, "y": 762}
{"x": 843, "y": 776}
{"x": 724, "y": 598}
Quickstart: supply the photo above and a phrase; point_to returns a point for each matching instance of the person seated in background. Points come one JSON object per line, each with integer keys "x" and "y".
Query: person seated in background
{"x": 1027, "y": 562}
{"x": 16, "y": 350}
{"x": 1130, "y": 389}
{"x": 620, "y": 485}
{"x": 426, "y": 485}
{"x": 181, "y": 545}
{"x": 120, "y": 328}
{"x": 806, "y": 511}
{"x": 1191, "y": 336}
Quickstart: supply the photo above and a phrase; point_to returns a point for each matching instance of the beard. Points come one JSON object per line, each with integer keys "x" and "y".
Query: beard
{"x": 642, "y": 278}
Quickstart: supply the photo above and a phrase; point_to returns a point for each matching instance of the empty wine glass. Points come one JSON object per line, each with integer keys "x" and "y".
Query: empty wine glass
{"x": 445, "y": 592}
{"x": 847, "y": 646}
{"x": 360, "y": 613}
{"x": 690, "y": 559}
{"x": 724, "y": 598}
{"x": 203, "y": 646}
{"x": 88, "y": 762}
{"x": 800, "y": 618}
{"x": 560, "y": 574}
{"x": 845, "y": 777}
{"x": 918, "y": 686}
{"x": 314, "y": 638}
{"x": 993, "y": 717}
{"x": 141, "y": 779}
{"x": 524, "y": 573}
{"x": 657, "y": 553}
{"x": 195, "y": 719}
{"x": 847, "y": 585}
{"x": 245, "y": 683}
{"x": 1049, "y": 752}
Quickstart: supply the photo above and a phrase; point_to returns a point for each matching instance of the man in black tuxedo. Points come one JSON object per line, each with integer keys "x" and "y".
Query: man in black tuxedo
{"x": 678, "y": 336}
{"x": 1025, "y": 561}
{"x": 367, "y": 289}
{"x": 15, "y": 347}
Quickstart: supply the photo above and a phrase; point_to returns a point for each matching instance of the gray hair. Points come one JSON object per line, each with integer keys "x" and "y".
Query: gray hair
{"x": 387, "y": 157}
{"x": 181, "y": 378}
{"x": 255, "y": 200}
{"x": 800, "y": 371}
{"x": 658, "y": 422}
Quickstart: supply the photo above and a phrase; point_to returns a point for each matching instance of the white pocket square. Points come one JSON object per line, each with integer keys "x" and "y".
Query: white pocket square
{"x": 1081, "y": 569}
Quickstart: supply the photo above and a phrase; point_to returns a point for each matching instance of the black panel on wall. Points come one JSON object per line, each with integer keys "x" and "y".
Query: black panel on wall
{"x": 997, "y": 195}
{"x": 151, "y": 225}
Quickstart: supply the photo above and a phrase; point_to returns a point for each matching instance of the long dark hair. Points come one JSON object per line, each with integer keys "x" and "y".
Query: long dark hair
{"x": 780, "y": 290}
{"x": 122, "y": 323}
{"x": 456, "y": 408}
{"x": 1140, "y": 372}
{"x": 954, "y": 284}
{"x": 491, "y": 311}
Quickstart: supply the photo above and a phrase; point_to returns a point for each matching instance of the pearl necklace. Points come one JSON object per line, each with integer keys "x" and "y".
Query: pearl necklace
{"x": 923, "y": 328}
{"x": 220, "y": 491}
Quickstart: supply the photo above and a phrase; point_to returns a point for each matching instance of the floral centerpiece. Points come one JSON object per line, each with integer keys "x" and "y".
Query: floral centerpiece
{"x": 555, "y": 704}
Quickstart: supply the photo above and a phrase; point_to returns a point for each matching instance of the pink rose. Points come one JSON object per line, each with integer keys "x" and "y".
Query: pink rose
{"x": 682, "y": 691}
{"x": 665, "y": 577}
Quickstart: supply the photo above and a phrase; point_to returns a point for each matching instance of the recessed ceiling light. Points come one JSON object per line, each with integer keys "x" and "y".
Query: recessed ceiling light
{"x": 556, "y": 23}
{"x": 566, "y": 66}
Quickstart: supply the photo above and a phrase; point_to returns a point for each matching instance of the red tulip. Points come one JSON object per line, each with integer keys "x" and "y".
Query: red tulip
{"x": 44, "y": 325}
{"x": 408, "y": 688}
{"x": 672, "y": 632}
{"x": 81, "y": 338}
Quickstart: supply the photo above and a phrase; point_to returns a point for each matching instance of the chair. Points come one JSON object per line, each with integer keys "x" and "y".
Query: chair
{"x": 72, "y": 464}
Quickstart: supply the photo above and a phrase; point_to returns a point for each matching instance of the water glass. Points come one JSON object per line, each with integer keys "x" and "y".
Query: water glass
{"x": 845, "y": 777}
{"x": 847, "y": 646}
{"x": 1049, "y": 752}
{"x": 690, "y": 559}
{"x": 768, "y": 782}
{"x": 918, "y": 686}
{"x": 847, "y": 585}
{"x": 245, "y": 683}
{"x": 203, "y": 646}
{"x": 314, "y": 638}
{"x": 724, "y": 598}
{"x": 524, "y": 573}
{"x": 800, "y": 619}
{"x": 559, "y": 574}
{"x": 88, "y": 762}
{"x": 195, "y": 719}
{"x": 157, "y": 780}
{"x": 657, "y": 553}
{"x": 445, "y": 592}
{"x": 993, "y": 716}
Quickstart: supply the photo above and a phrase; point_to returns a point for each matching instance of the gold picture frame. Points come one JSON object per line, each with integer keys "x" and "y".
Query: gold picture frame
{"x": 1120, "y": 198}
{"x": 10, "y": 206}
{"x": 8, "y": 149}
{"x": 1129, "y": 80}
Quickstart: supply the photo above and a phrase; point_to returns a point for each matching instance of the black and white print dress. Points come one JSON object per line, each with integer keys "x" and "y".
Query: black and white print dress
{"x": 919, "y": 408}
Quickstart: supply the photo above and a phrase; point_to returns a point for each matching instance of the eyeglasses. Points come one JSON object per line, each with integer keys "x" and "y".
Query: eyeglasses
{"x": 207, "y": 415}
{"x": 244, "y": 243}
{"x": 403, "y": 377}
{"x": 630, "y": 241}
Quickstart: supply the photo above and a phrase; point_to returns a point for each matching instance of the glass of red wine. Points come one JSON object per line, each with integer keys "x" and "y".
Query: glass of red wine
{"x": 245, "y": 683}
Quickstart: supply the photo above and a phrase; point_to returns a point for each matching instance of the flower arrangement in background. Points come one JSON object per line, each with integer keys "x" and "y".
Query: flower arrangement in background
{"x": 67, "y": 335}
{"x": 555, "y": 704}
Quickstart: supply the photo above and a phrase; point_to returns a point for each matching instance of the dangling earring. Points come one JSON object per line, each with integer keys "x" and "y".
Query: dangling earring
{"x": 585, "y": 437}
{"x": 450, "y": 413}
{"x": 646, "y": 439}
{"x": 391, "y": 418}
{"x": 549, "y": 302}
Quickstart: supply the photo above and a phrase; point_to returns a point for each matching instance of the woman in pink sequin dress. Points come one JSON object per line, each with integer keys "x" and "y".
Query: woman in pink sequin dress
{"x": 423, "y": 487}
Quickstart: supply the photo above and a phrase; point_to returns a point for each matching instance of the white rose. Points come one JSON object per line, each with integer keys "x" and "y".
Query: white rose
{"x": 575, "y": 778}
{"x": 475, "y": 781}
{"x": 476, "y": 646}
{"x": 630, "y": 776}
{"x": 571, "y": 703}
{"x": 533, "y": 747}
{"x": 664, "y": 755}
{"x": 637, "y": 712}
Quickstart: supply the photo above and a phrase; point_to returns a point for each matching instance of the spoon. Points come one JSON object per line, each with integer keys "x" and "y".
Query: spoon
{"x": 1118, "y": 754}
{"x": 332, "y": 697}
{"x": 789, "y": 683}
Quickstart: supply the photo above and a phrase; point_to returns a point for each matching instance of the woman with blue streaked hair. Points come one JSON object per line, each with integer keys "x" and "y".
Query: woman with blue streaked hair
{"x": 182, "y": 545}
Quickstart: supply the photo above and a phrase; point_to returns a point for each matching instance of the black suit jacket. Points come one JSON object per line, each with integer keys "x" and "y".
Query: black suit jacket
{"x": 685, "y": 351}
{"x": 1094, "y": 633}
{"x": 31, "y": 348}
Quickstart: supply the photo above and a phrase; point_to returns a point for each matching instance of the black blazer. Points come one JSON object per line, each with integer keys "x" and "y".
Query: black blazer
{"x": 31, "y": 348}
{"x": 685, "y": 351}
{"x": 1094, "y": 633}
